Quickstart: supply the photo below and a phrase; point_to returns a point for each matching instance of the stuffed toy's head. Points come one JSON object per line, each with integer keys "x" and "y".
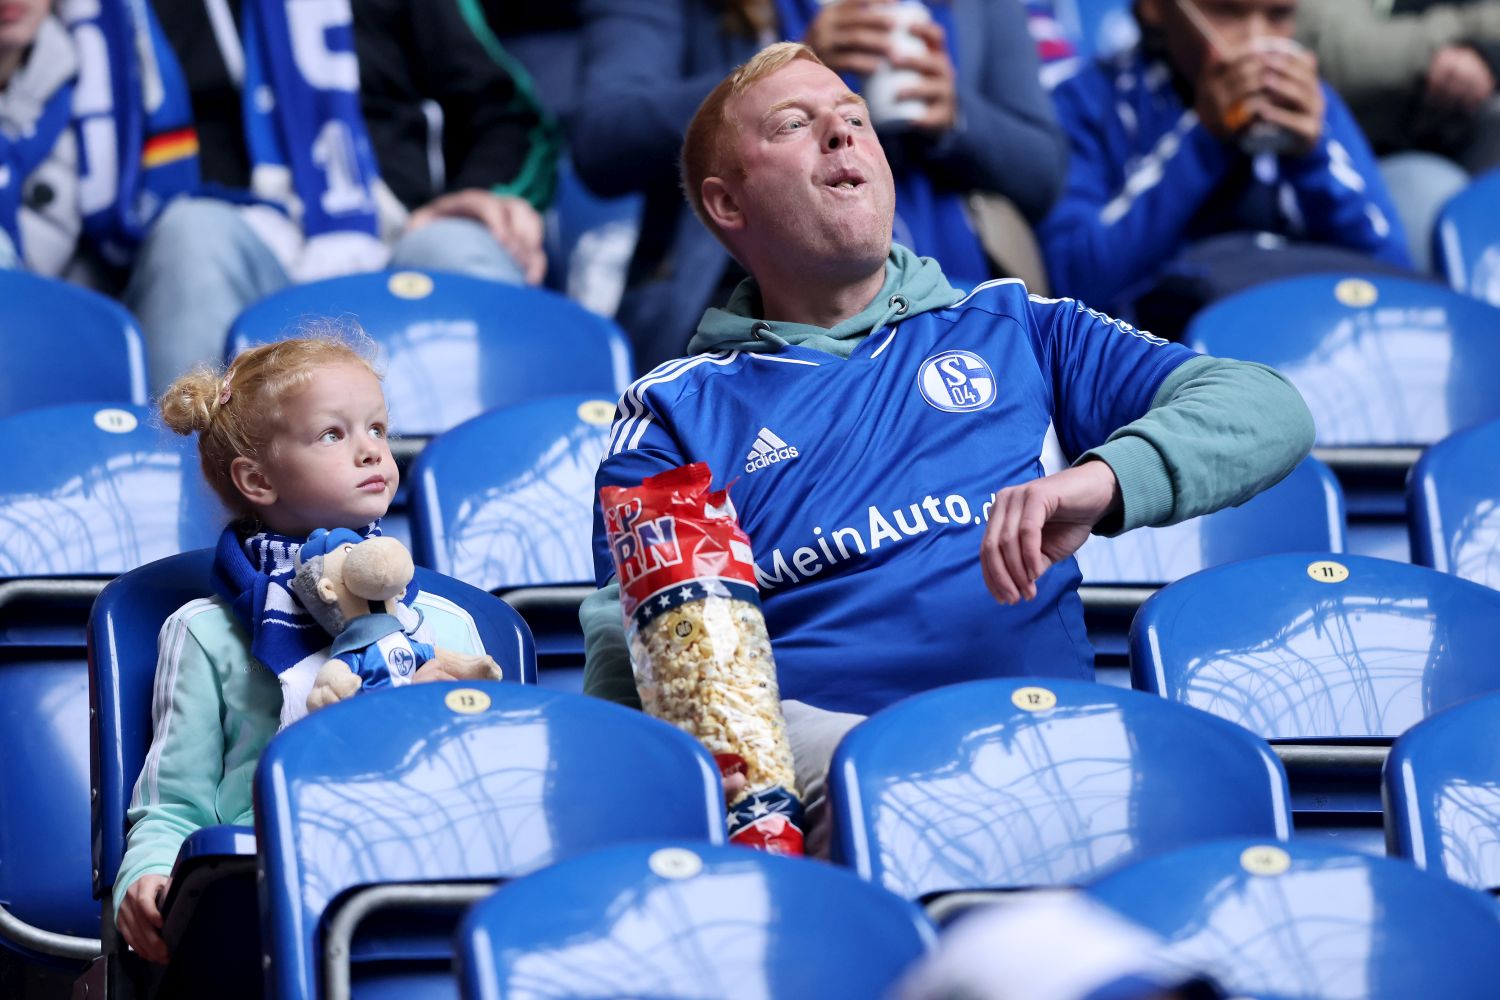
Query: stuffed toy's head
{"x": 340, "y": 577}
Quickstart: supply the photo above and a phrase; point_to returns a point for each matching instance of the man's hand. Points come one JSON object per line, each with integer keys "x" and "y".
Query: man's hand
{"x": 1040, "y": 523}
{"x": 1224, "y": 91}
{"x": 1459, "y": 80}
{"x": 936, "y": 88}
{"x": 851, "y": 36}
{"x": 1291, "y": 96}
{"x": 139, "y": 919}
{"x": 513, "y": 223}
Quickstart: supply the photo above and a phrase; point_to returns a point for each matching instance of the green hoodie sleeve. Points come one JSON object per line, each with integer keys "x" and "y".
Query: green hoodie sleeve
{"x": 1217, "y": 433}
{"x": 606, "y": 663}
{"x": 213, "y": 712}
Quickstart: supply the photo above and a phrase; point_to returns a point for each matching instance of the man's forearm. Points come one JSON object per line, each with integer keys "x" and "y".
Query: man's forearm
{"x": 1217, "y": 433}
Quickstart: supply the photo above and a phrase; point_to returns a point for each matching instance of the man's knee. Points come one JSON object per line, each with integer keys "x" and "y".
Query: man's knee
{"x": 460, "y": 245}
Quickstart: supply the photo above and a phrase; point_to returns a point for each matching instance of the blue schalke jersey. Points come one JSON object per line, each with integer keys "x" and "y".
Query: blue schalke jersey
{"x": 864, "y": 484}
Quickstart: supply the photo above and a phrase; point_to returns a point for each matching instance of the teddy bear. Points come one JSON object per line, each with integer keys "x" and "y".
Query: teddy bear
{"x": 353, "y": 587}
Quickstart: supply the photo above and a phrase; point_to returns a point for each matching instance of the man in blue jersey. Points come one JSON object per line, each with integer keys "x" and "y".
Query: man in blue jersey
{"x": 1215, "y": 129}
{"x": 878, "y": 427}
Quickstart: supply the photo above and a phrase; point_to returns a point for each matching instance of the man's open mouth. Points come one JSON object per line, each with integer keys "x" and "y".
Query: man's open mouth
{"x": 845, "y": 180}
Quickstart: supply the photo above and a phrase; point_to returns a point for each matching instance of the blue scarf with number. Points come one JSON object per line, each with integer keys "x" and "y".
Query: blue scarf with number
{"x": 129, "y": 108}
{"x": 931, "y": 222}
{"x": 303, "y": 123}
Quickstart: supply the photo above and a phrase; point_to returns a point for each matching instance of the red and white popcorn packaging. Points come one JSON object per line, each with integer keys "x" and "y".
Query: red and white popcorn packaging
{"x": 698, "y": 641}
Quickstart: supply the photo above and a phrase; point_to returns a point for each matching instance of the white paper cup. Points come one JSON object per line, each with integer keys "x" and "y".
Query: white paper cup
{"x": 882, "y": 86}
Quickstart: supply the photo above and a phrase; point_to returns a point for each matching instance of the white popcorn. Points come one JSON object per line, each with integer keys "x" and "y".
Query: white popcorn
{"x": 706, "y": 667}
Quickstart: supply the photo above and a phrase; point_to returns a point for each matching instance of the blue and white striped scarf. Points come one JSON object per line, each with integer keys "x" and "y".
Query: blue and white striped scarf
{"x": 255, "y": 577}
{"x": 310, "y": 153}
{"x": 129, "y": 107}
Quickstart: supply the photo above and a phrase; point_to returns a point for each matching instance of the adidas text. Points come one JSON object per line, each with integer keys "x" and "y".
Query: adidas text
{"x": 760, "y": 460}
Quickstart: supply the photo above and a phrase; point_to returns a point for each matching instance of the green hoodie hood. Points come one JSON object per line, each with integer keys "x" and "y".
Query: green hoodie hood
{"x": 912, "y": 285}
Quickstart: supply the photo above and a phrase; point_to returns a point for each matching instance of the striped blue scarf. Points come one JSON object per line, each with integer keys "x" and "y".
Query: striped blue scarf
{"x": 932, "y": 222}
{"x": 305, "y": 130}
{"x": 255, "y": 576}
{"x": 129, "y": 108}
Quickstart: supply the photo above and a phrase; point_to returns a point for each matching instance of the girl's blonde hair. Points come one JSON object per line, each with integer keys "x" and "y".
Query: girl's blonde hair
{"x": 236, "y": 411}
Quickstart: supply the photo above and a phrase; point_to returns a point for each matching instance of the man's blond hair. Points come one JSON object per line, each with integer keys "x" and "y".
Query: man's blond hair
{"x": 708, "y": 146}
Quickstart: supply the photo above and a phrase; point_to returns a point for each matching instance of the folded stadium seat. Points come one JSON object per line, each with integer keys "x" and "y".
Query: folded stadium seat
{"x": 215, "y": 873}
{"x": 1302, "y": 513}
{"x": 1442, "y": 794}
{"x": 100, "y": 360}
{"x": 680, "y": 920}
{"x": 1466, "y": 239}
{"x": 1328, "y": 657}
{"x": 1387, "y": 365}
{"x": 1453, "y": 504}
{"x": 1038, "y": 783}
{"x": 451, "y": 347}
{"x": 506, "y": 502}
{"x": 1304, "y": 921}
{"x": 86, "y": 492}
{"x": 590, "y": 241}
{"x": 422, "y": 798}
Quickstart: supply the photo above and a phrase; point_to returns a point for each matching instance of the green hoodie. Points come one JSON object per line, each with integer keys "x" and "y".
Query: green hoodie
{"x": 1217, "y": 432}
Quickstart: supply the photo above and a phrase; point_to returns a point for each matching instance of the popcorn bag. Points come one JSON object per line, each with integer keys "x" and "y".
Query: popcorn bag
{"x": 698, "y": 641}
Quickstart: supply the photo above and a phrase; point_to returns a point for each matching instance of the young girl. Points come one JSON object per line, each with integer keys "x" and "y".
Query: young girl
{"x": 292, "y": 438}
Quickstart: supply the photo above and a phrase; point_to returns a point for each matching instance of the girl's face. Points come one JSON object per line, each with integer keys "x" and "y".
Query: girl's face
{"x": 329, "y": 465}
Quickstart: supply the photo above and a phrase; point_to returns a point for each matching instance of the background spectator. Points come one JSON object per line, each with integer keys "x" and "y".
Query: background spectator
{"x": 1217, "y": 124}
{"x": 427, "y": 150}
{"x": 1419, "y": 76}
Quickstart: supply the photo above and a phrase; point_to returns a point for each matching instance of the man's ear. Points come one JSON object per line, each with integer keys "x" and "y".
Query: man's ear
{"x": 720, "y": 205}
{"x": 252, "y": 482}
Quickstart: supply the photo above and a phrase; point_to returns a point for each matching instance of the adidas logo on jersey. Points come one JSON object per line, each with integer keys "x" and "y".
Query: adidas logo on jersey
{"x": 769, "y": 449}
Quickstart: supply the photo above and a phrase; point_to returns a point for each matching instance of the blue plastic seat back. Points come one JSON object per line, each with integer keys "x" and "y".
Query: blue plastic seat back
{"x": 507, "y": 499}
{"x": 1004, "y": 784}
{"x": 1466, "y": 239}
{"x": 589, "y": 239}
{"x": 1318, "y": 647}
{"x": 1302, "y": 513}
{"x": 452, "y": 346}
{"x": 451, "y": 782}
{"x": 65, "y": 344}
{"x": 1453, "y": 505}
{"x": 123, "y": 631}
{"x": 90, "y": 490}
{"x": 1442, "y": 793}
{"x": 1299, "y": 921}
{"x": 1380, "y": 360}
{"x": 669, "y": 920}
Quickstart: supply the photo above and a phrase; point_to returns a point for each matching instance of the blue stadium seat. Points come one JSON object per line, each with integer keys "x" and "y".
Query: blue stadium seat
{"x": 453, "y": 346}
{"x": 1026, "y": 783}
{"x": 99, "y": 360}
{"x": 590, "y": 241}
{"x": 1330, "y": 656}
{"x": 122, "y": 635}
{"x": 505, "y": 502}
{"x": 443, "y": 783}
{"x": 1466, "y": 239}
{"x": 90, "y": 490}
{"x": 1387, "y": 366}
{"x": 86, "y": 492}
{"x": 1442, "y": 793}
{"x": 1302, "y": 513}
{"x": 1302, "y": 921}
{"x": 687, "y": 920}
{"x": 1453, "y": 505}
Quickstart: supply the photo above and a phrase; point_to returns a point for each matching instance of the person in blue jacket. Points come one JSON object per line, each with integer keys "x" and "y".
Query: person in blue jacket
{"x": 1217, "y": 123}
{"x": 988, "y": 127}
